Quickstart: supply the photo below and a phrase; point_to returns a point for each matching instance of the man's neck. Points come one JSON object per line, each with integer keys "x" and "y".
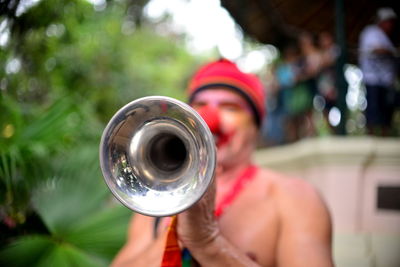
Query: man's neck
{"x": 228, "y": 174}
{"x": 230, "y": 183}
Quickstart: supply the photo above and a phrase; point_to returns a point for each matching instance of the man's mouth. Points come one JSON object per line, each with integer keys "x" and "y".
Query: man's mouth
{"x": 222, "y": 139}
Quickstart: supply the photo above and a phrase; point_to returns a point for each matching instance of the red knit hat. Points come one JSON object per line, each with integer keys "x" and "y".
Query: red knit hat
{"x": 224, "y": 73}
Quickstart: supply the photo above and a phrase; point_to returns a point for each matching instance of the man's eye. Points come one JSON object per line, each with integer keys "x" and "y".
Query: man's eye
{"x": 231, "y": 107}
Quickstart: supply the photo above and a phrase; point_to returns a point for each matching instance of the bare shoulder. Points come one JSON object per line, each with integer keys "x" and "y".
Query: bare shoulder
{"x": 294, "y": 195}
{"x": 304, "y": 219}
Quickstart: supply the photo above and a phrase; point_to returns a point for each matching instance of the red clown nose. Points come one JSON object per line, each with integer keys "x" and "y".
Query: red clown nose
{"x": 210, "y": 116}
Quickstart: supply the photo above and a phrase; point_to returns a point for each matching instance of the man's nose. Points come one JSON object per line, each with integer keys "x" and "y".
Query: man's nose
{"x": 210, "y": 114}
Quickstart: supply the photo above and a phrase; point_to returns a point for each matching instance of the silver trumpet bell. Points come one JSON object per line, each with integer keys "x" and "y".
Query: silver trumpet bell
{"x": 157, "y": 156}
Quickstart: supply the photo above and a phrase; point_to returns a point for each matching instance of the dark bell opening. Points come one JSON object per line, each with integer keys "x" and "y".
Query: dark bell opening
{"x": 167, "y": 152}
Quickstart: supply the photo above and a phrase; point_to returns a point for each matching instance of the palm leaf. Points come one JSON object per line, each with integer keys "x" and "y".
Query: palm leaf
{"x": 25, "y": 250}
{"x": 103, "y": 233}
{"x": 65, "y": 255}
{"x": 77, "y": 191}
{"x": 49, "y": 129}
{"x": 85, "y": 229}
{"x": 43, "y": 251}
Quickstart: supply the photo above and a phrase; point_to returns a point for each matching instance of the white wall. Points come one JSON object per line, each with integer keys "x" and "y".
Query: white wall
{"x": 347, "y": 171}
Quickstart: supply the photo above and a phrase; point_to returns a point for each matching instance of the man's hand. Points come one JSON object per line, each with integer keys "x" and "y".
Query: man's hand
{"x": 199, "y": 232}
{"x": 197, "y": 226}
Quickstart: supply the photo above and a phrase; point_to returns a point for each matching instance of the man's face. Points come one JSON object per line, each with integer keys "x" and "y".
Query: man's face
{"x": 232, "y": 123}
{"x": 388, "y": 26}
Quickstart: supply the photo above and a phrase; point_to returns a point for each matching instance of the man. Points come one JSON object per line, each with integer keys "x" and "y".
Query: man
{"x": 377, "y": 60}
{"x": 249, "y": 216}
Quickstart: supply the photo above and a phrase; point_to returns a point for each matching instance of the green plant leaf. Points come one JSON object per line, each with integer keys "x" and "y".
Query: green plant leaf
{"x": 76, "y": 192}
{"x": 102, "y": 234}
{"x": 49, "y": 128}
{"x": 64, "y": 201}
{"x": 43, "y": 251}
{"x": 25, "y": 251}
{"x": 64, "y": 255}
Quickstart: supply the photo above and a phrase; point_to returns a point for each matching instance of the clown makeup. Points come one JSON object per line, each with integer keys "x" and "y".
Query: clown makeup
{"x": 231, "y": 120}
{"x": 231, "y": 109}
{"x": 224, "y": 111}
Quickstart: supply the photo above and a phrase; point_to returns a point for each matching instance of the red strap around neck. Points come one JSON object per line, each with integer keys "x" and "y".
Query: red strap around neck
{"x": 246, "y": 176}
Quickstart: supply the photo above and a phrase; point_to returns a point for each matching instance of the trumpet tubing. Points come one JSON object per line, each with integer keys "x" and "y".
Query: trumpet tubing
{"x": 157, "y": 156}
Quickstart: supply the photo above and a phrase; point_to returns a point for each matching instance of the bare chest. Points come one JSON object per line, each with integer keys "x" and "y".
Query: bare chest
{"x": 251, "y": 224}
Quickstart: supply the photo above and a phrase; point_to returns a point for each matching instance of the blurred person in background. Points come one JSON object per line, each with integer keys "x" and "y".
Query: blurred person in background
{"x": 378, "y": 62}
{"x": 311, "y": 64}
{"x": 289, "y": 94}
{"x": 273, "y": 132}
{"x": 326, "y": 80}
{"x": 250, "y": 216}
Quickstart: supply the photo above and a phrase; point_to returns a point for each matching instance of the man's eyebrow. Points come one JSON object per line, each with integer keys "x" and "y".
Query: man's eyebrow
{"x": 233, "y": 101}
{"x": 227, "y": 102}
{"x": 199, "y": 101}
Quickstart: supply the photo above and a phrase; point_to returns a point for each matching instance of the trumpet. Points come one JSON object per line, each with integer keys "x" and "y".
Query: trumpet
{"x": 157, "y": 156}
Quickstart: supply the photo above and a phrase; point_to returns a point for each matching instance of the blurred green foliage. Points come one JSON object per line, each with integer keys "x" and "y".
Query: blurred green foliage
{"x": 66, "y": 68}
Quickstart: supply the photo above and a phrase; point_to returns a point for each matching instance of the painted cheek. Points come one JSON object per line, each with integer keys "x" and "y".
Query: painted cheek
{"x": 233, "y": 121}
